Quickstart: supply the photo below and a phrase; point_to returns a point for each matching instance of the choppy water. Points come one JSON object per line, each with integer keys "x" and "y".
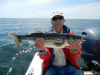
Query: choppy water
{"x": 15, "y": 61}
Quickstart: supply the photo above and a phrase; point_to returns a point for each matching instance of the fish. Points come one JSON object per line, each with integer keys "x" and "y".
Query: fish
{"x": 52, "y": 40}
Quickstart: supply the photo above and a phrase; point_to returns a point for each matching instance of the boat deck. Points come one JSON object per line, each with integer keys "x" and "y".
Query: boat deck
{"x": 90, "y": 73}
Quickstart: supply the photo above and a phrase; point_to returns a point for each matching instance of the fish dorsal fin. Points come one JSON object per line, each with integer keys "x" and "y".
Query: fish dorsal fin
{"x": 35, "y": 31}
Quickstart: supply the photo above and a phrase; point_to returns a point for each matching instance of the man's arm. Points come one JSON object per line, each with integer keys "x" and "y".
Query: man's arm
{"x": 44, "y": 53}
{"x": 74, "y": 47}
{"x": 74, "y": 50}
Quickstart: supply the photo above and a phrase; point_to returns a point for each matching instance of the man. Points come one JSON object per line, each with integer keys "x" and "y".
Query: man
{"x": 59, "y": 61}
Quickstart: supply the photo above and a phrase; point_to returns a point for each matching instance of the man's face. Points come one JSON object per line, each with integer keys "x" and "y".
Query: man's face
{"x": 57, "y": 22}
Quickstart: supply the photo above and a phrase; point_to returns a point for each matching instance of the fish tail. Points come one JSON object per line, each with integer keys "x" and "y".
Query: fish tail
{"x": 15, "y": 37}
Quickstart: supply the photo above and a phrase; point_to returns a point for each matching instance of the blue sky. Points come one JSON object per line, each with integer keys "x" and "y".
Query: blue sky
{"x": 72, "y": 9}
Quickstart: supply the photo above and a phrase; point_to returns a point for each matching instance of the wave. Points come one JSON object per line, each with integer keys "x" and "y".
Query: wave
{"x": 15, "y": 61}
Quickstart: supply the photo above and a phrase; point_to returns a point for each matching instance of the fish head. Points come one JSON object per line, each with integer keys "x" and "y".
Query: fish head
{"x": 79, "y": 39}
{"x": 82, "y": 40}
{"x": 74, "y": 38}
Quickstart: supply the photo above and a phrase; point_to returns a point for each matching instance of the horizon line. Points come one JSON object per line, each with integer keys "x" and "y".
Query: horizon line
{"x": 46, "y": 18}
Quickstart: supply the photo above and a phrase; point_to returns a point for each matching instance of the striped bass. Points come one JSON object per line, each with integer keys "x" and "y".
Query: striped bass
{"x": 52, "y": 40}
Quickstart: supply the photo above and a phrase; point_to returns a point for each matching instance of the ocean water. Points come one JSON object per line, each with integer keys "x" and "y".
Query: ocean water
{"x": 15, "y": 61}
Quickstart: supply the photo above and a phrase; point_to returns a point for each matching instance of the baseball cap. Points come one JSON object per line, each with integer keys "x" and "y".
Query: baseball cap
{"x": 57, "y": 13}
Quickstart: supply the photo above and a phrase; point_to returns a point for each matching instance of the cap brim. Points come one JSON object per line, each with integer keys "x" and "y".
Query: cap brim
{"x": 56, "y": 15}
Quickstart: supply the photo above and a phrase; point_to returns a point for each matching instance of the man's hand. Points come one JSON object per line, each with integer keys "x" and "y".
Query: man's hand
{"x": 39, "y": 44}
{"x": 73, "y": 46}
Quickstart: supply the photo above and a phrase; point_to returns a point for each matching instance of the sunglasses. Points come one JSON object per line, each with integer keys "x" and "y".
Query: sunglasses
{"x": 59, "y": 18}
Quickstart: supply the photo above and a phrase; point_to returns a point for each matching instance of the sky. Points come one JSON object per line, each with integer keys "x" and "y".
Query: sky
{"x": 72, "y": 9}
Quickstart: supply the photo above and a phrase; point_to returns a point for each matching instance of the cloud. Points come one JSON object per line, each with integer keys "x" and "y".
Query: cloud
{"x": 38, "y": 2}
{"x": 82, "y": 11}
{"x": 44, "y": 9}
{"x": 10, "y": 4}
{"x": 23, "y": 8}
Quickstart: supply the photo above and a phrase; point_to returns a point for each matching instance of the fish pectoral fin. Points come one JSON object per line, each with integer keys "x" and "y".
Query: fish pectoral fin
{"x": 35, "y": 31}
{"x": 58, "y": 44}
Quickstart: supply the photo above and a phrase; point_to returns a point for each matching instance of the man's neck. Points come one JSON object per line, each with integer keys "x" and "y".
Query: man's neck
{"x": 58, "y": 31}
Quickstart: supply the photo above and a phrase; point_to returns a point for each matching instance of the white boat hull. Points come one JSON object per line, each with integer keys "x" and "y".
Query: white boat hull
{"x": 35, "y": 67}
